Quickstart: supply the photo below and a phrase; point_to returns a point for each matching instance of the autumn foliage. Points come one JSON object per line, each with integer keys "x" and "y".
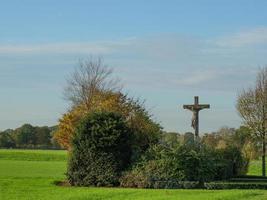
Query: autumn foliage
{"x": 93, "y": 88}
{"x": 146, "y": 131}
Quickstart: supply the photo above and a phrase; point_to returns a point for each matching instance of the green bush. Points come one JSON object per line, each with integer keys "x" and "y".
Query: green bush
{"x": 197, "y": 162}
{"x": 101, "y": 150}
{"x": 230, "y": 185}
{"x": 158, "y": 168}
{"x": 183, "y": 166}
{"x": 230, "y": 163}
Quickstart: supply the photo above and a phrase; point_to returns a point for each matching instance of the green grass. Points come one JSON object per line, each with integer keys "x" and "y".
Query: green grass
{"x": 33, "y": 155}
{"x": 255, "y": 168}
{"x": 30, "y": 175}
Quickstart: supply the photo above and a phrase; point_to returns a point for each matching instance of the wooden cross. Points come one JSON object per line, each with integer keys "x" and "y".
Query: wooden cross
{"x": 195, "y": 108}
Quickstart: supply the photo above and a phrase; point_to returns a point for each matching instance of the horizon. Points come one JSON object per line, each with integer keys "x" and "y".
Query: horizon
{"x": 164, "y": 53}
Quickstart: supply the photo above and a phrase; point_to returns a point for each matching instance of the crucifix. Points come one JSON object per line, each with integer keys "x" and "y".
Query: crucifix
{"x": 195, "y": 108}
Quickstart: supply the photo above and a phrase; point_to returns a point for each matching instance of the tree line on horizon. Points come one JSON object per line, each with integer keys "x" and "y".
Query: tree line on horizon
{"x": 36, "y": 137}
{"x": 29, "y": 137}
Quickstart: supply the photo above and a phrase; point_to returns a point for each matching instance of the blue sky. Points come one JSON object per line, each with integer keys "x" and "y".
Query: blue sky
{"x": 164, "y": 51}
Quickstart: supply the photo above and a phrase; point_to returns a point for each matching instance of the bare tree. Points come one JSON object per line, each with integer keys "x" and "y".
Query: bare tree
{"x": 90, "y": 78}
{"x": 252, "y": 107}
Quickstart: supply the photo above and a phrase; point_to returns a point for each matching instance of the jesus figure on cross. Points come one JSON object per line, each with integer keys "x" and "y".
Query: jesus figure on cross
{"x": 195, "y": 108}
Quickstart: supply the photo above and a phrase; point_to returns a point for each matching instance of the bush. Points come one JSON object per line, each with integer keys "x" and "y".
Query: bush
{"x": 101, "y": 150}
{"x": 183, "y": 167}
{"x": 230, "y": 163}
{"x": 158, "y": 168}
{"x": 230, "y": 185}
{"x": 197, "y": 162}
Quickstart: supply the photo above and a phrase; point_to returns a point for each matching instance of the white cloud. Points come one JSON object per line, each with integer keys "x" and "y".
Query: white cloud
{"x": 245, "y": 38}
{"x": 157, "y": 68}
{"x": 167, "y": 60}
{"x": 103, "y": 47}
{"x": 52, "y": 48}
{"x": 198, "y": 77}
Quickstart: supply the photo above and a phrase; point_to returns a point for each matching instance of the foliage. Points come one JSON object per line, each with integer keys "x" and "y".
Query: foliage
{"x": 230, "y": 163}
{"x": 251, "y": 105}
{"x": 6, "y": 141}
{"x": 145, "y": 130}
{"x": 28, "y": 136}
{"x": 64, "y": 134}
{"x": 158, "y": 164}
{"x": 101, "y": 150}
{"x": 237, "y": 185}
{"x": 241, "y": 138}
{"x": 197, "y": 163}
{"x": 93, "y": 88}
{"x": 25, "y": 135}
{"x": 189, "y": 139}
{"x": 167, "y": 167}
{"x": 223, "y": 141}
{"x": 170, "y": 139}
{"x": 42, "y": 135}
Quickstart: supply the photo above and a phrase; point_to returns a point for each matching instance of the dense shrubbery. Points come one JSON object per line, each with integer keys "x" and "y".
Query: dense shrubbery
{"x": 158, "y": 164}
{"x": 173, "y": 167}
{"x": 241, "y": 138}
{"x": 101, "y": 150}
{"x": 104, "y": 146}
{"x": 231, "y": 185}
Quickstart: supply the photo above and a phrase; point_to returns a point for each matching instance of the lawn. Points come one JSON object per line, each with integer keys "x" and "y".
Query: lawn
{"x": 255, "y": 167}
{"x": 30, "y": 174}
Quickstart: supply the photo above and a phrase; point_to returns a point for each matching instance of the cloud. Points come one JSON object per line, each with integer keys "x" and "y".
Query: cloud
{"x": 166, "y": 69}
{"x": 251, "y": 37}
{"x": 163, "y": 47}
{"x": 166, "y": 60}
{"x": 103, "y": 47}
{"x": 198, "y": 77}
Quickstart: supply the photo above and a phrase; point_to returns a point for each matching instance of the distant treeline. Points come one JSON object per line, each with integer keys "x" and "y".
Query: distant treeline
{"x": 225, "y": 137}
{"x": 29, "y": 137}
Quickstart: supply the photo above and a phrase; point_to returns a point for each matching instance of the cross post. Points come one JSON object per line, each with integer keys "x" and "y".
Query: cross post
{"x": 195, "y": 108}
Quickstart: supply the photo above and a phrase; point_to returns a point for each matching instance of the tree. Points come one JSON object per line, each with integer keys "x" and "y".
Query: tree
{"x": 91, "y": 79}
{"x": 170, "y": 139}
{"x": 6, "y": 141}
{"x": 101, "y": 150}
{"x": 43, "y": 136}
{"x": 25, "y": 136}
{"x": 91, "y": 88}
{"x": 210, "y": 139}
{"x": 67, "y": 124}
{"x": 252, "y": 107}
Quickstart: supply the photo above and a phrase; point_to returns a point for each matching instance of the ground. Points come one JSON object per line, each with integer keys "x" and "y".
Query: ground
{"x": 30, "y": 174}
{"x": 255, "y": 167}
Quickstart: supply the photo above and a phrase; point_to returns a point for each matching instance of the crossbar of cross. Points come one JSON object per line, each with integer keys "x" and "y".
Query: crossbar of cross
{"x": 195, "y": 108}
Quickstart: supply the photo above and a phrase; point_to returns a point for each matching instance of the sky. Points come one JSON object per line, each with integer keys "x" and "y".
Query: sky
{"x": 165, "y": 52}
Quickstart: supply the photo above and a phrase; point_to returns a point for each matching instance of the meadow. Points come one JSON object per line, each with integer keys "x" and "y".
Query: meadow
{"x": 31, "y": 174}
{"x": 255, "y": 168}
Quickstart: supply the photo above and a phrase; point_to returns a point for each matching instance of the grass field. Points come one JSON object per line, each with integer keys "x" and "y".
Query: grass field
{"x": 30, "y": 174}
{"x": 255, "y": 168}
